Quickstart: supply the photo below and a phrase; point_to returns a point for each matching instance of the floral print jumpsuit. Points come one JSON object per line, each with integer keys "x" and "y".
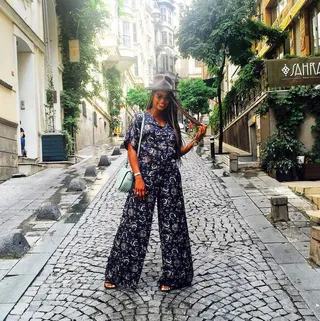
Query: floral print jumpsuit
{"x": 161, "y": 175}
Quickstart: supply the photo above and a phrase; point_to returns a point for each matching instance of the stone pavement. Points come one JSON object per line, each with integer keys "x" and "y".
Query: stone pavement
{"x": 236, "y": 275}
{"x": 21, "y": 197}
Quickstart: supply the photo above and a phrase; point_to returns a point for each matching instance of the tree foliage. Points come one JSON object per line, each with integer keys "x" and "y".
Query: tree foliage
{"x": 114, "y": 87}
{"x": 194, "y": 95}
{"x": 213, "y": 31}
{"x": 138, "y": 97}
{"x": 82, "y": 20}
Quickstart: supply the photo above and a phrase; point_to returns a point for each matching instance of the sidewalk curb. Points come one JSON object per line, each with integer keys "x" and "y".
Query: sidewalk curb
{"x": 19, "y": 278}
{"x": 303, "y": 277}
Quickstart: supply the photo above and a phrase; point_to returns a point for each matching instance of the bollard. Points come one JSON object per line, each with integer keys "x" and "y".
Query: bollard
{"x": 213, "y": 155}
{"x": 315, "y": 245}
{"x": 279, "y": 208}
{"x": 233, "y": 163}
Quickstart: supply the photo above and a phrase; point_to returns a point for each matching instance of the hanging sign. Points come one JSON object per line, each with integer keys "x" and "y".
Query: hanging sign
{"x": 293, "y": 72}
{"x": 74, "y": 51}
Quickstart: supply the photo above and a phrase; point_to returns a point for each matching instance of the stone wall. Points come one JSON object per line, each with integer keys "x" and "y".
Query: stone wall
{"x": 8, "y": 149}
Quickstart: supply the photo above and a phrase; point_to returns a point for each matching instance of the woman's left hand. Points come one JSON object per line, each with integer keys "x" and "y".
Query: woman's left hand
{"x": 201, "y": 132}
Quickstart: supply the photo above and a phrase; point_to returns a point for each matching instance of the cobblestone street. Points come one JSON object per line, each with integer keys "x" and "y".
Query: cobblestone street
{"x": 236, "y": 277}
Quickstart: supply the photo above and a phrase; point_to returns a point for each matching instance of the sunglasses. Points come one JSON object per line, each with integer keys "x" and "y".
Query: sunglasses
{"x": 160, "y": 96}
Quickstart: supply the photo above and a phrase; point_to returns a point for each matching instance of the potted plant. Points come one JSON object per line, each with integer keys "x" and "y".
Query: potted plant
{"x": 311, "y": 169}
{"x": 279, "y": 156}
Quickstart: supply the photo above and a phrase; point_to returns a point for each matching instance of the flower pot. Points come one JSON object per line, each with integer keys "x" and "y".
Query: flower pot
{"x": 286, "y": 177}
{"x": 311, "y": 171}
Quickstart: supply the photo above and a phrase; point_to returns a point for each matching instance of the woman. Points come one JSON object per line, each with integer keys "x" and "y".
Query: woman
{"x": 157, "y": 178}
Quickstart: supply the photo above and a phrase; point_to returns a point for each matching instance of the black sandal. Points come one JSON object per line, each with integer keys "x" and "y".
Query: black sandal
{"x": 111, "y": 286}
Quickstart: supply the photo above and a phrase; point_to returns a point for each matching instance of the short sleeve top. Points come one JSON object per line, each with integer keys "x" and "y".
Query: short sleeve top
{"x": 158, "y": 144}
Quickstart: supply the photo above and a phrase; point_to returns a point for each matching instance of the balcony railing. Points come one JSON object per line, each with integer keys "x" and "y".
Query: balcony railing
{"x": 245, "y": 100}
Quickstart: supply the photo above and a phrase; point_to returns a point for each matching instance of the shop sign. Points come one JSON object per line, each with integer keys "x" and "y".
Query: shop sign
{"x": 293, "y": 72}
{"x": 74, "y": 51}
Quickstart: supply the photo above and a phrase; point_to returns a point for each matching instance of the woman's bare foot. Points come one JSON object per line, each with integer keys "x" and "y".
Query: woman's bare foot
{"x": 165, "y": 288}
{"x": 109, "y": 285}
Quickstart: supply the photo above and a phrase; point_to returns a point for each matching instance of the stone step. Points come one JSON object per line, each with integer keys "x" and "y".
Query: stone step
{"x": 27, "y": 160}
{"x": 311, "y": 190}
{"x": 30, "y": 169}
{"x": 314, "y": 216}
{"x": 315, "y": 198}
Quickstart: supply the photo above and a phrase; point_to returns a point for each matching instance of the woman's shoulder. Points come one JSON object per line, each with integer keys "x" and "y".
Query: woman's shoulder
{"x": 139, "y": 115}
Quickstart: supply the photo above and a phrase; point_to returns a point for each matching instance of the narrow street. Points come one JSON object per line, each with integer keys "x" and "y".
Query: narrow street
{"x": 236, "y": 277}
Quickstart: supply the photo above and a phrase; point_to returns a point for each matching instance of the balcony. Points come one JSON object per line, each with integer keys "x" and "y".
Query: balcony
{"x": 110, "y": 42}
{"x": 127, "y": 58}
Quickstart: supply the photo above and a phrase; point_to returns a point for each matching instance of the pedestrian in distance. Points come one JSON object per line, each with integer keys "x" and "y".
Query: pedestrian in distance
{"x": 157, "y": 179}
{"x": 23, "y": 142}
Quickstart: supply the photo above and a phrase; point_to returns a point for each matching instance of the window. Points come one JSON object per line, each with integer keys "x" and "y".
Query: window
{"x": 95, "y": 120}
{"x": 165, "y": 63}
{"x": 281, "y": 5}
{"x": 170, "y": 40}
{"x": 84, "y": 109}
{"x": 126, "y": 34}
{"x": 171, "y": 64}
{"x": 134, "y": 27}
{"x": 315, "y": 29}
{"x": 136, "y": 67}
{"x": 164, "y": 38}
{"x": 169, "y": 16}
{"x": 163, "y": 14}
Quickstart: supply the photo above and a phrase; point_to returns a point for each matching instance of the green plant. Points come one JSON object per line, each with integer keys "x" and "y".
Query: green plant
{"x": 49, "y": 106}
{"x": 82, "y": 20}
{"x": 138, "y": 97}
{"x": 195, "y": 95}
{"x": 113, "y": 85}
{"x": 280, "y": 152}
{"x": 226, "y": 32}
{"x": 69, "y": 141}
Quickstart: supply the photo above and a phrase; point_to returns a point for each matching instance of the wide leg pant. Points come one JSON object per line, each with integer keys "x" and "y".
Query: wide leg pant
{"x": 130, "y": 244}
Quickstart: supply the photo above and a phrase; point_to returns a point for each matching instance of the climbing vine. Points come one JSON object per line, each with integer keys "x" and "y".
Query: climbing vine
{"x": 248, "y": 79}
{"x": 289, "y": 109}
{"x": 114, "y": 87}
{"x": 82, "y": 20}
{"x": 49, "y": 106}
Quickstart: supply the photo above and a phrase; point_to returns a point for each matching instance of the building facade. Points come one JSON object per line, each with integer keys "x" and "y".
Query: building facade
{"x": 300, "y": 18}
{"x": 29, "y": 56}
{"x": 141, "y": 43}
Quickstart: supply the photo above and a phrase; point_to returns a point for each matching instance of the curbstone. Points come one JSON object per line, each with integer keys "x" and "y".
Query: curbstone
{"x": 13, "y": 245}
{"x": 315, "y": 245}
{"x": 91, "y": 171}
{"x": 76, "y": 185}
{"x": 279, "y": 200}
{"x": 48, "y": 211}
{"x": 116, "y": 151}
{"x": 104, "y": 161}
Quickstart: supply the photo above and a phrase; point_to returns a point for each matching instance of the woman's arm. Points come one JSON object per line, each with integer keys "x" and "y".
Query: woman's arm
{"x": 200, "y": 134}
{"x": 139, "y": 185}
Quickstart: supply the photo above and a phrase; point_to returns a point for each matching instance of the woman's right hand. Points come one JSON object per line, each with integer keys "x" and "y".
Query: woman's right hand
{"x": 139, "y": 188}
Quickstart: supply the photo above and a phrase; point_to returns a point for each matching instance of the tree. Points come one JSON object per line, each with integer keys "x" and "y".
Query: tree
{"x": 113, "y": 85}
{"x": 82, "y": 20}
{"x": 194, "y": 95}
{"x": 213, "y": 31}
{"x": 138, "y": 97}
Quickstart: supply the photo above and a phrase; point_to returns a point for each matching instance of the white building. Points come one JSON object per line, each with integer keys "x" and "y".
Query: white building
{"x": 140, "y": 42}
{"x": 28, "y": 32}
